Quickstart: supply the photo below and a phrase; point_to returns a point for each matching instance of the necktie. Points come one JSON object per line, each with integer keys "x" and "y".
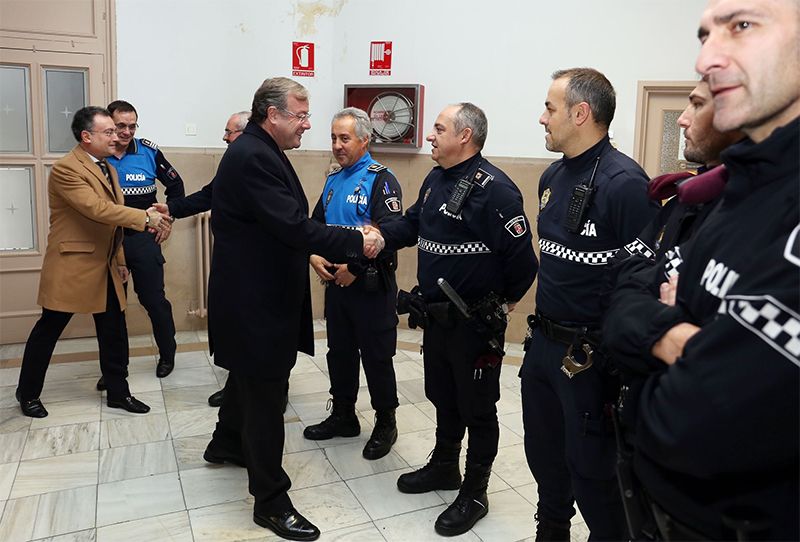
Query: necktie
{"x": 104, "y": 168}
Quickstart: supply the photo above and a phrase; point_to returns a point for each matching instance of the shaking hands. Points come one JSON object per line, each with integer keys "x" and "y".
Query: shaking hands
{"x": 160, "y": 221}
{"x": 373, "y": 241}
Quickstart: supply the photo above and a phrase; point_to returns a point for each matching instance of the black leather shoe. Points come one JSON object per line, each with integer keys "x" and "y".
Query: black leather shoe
{"x": 215, "y": 399}
{"x": 101, "y": 384}
{"x": 33, "y": 408}
{"x": 164, "y": 367}
{"x": 289, "y": 524}
{"x": 214, "y": 454}
{"x": 131, "y": 404}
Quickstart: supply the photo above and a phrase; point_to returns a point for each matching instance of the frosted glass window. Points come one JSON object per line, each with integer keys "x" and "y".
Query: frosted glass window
{"x": 17, "y": 209}
{"x": 65, "y": 93}
{"x": 15, "y": 109}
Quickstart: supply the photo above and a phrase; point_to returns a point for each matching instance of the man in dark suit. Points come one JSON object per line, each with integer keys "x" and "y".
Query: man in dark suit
{"x": 260, "y": 293}
{"x": 84, "y": 267}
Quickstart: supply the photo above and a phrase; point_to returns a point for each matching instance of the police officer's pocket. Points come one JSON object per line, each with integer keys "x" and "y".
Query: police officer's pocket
{"x": 75, "y": 246}
{"x": 593, "y": 454}
{"x": 160, "y": 260}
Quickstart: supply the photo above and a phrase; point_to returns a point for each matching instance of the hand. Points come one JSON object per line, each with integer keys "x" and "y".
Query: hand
{"x": 373, "y": 241}
{"x": 318, "y": 264}
{"x": 158, "y": 221}
{"x": 162, "y": 208}
{"x": 670, "y": 346}
{"x": 668, "y": 291}
{"x": 343, "y": 275}
{"x": 163, "y": 235}
{"x": 123, "y": 273}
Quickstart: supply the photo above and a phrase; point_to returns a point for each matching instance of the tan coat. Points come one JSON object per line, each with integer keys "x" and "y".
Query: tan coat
{"x": 85, "y": 239}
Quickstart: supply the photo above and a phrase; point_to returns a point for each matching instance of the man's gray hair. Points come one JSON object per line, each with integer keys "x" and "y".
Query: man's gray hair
{"x": 241, "y": 119}
{"x": 471, "y": 116}
{"x": 363, "y": 126}
{"x": 275, "y": 92}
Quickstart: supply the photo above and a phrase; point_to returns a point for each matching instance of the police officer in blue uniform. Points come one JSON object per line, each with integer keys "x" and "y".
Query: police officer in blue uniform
{"x": 470, "y": 229}
{"x": 359, "y": 296}
{"x": 592, "y": 202}
{"x": 139, "y": 163}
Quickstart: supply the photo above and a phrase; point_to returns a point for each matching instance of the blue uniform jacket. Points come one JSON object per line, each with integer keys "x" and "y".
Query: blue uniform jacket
{"x": 138, "y": 170}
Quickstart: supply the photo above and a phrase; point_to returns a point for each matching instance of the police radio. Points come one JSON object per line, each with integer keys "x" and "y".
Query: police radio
{"x": 461, "y": 192}
{"x": 579, "y": 203}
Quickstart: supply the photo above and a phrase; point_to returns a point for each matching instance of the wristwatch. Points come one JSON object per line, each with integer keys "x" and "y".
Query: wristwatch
{"x": 147, "y": 220}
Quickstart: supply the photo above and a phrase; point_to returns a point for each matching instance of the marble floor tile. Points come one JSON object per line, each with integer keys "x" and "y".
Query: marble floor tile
{"x": 513, "y": 422}
{"x": 62, "y": 439}
{"x": 126, "y": 462}
{"x": 510, "y": 517}
{"x": 138, "y": 498}
{"x": 512, "y": 466}
{"x": 329, "y": 507}
{"x": 186, "y": 337}
{"x": 407, "y": 370}
{"x": 509, "y": 377}
{"x": 304, "y": 365}
{"x": 309, "y": 406}
{"x": 309, "y": 468}
{"x": 349, "y": 463}
{"x": 89, "y": 535}
{"x": 143, "y": 381}
{"x": 13, "y": 420}
{"x": 508, "y": 437}
{"x": 379, "y": 496}
{"x": 192, "y": 422}
{"x": 508, "y": 403}
{"x": 69, "y": 346}
{"x": 193, "y": 376}
{"x": 529, "y": 492}
{"x": 49, "y": 514}
{"x": 153, "y": 399}
{"x": 7, "y": 473}
{"x": 189, "y": 451}
{"x": 11, "y": 446}
{"x": 221, "y": 375}
{"x": 211, "y": 485}
{"x": 427, "y": 408}
{"x": 294, "y": 441}
{"x": 418, "y": 526}
{"x": 173, "y": 527}
{"x": 415, "y": 447}
{"x": 55, "y": 474}
{"x": 140, "y": 341}
{"x": 413, "y": 390}
{"x": 83, "y": 410}
{"x": 303, "y": 383}
{"x": 366, "y": 532}
{"x": 188, "y": 398}
{"x": 59, "y": 372}
{"x": 7, "y": 398}
{"x": 142, "y": 364}
{"x": 69, "y": 390}
{"x": 10, "y": 376}
{"x": 228, "y": 522}
{"x": 11, "y": 351}
{"x": 134, "y": 430}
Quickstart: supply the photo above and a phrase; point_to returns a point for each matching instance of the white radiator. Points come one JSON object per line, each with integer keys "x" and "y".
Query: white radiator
{"x": 205, "y": 244}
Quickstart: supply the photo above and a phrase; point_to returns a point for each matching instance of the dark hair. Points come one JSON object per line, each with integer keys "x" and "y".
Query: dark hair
{"x": 84, "y": 119}
{"x": 275, "y": 92}
{"x": 471, "y": 116}
{"x": 122, "y": 106}
{"x": 590, "y": 86}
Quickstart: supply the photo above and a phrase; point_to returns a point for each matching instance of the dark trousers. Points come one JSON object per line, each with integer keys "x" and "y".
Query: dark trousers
{"x": 146, "y": 264}
{"x": 361, "y": 325}
{"x": 569, "y": 442}
{"x": 112, "y": 339}
{"x": 251, "y": 425}
{"x": 462, "y": 401}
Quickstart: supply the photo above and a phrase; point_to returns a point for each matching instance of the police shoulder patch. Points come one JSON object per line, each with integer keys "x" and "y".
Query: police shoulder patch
{"x": 148, "y": 143}
{"x": 516, "y": 226}
{"x": 792, "y": 250}
{"x": 393, "y": 204}
{"x": 376, "y": 167}
{"x": 482, "y": 178}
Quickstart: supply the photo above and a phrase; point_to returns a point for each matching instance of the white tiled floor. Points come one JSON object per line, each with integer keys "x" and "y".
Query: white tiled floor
{"x": 87, "y": 473}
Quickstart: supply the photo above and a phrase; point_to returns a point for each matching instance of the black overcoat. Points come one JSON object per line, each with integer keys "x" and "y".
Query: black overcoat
{"x": 259, "y": 298}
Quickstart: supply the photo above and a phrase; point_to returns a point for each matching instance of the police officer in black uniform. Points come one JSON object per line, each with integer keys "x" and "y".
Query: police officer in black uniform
{"x": 717, "y": 438}
{"x": 359, "y": 296}
{"x": 140, "y": 163}
{"x": 592, "y": 202}
{"x": 470, "y": 229}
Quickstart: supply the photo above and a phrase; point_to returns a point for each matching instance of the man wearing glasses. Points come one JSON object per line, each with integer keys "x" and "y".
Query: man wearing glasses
{"x": 84, "y": 267}
{"x": 139, "y": 163}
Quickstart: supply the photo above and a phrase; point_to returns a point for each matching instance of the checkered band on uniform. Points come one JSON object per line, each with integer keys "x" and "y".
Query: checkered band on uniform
{"x": 774, "y": 323}
{"x": 673, "y": 262}
{"x": 588, "y": 258}
{"x": 637, "y": 246}
{"x": 472, "y": 247}
{"x": 138, "y": 190}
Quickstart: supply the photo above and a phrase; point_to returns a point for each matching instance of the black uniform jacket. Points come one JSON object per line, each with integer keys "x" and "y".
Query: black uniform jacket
{"x": 718, "y": 431}
{"x": 192, "y": 204}
{"x": 259, "y": 290}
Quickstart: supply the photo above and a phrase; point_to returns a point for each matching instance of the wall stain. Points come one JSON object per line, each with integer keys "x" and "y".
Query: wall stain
{"x": 307, "y": 13}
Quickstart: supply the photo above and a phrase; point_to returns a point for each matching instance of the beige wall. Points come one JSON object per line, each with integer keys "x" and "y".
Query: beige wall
{"x": 197, "y": 167}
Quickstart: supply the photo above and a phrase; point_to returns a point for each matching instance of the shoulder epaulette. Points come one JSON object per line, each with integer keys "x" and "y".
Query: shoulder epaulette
{"x": 482, "y": 178}
{"x": 334, "y": 170}
{"x": 148, "y": 143}
{"x": 376, "y": 167}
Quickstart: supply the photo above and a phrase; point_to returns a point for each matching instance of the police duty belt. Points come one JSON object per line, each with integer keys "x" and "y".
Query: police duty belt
{"x": 574, "y": 337}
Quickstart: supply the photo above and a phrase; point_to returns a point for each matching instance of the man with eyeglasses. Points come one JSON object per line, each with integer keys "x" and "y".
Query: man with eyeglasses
{"x": 259, "y": 294}
{"x": 84, "y": 266}
{"x": 359, "y": 296}
{"x": 140, "y": 163}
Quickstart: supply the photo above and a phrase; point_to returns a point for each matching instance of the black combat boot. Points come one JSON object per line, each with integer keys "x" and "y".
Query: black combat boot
{"x": 383, "y": 435}
{"x": 342, "y": 422}
{"x": 548, "y": 530}
{"x": 470, "y": 505}
{"x": 441, "y": 472}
